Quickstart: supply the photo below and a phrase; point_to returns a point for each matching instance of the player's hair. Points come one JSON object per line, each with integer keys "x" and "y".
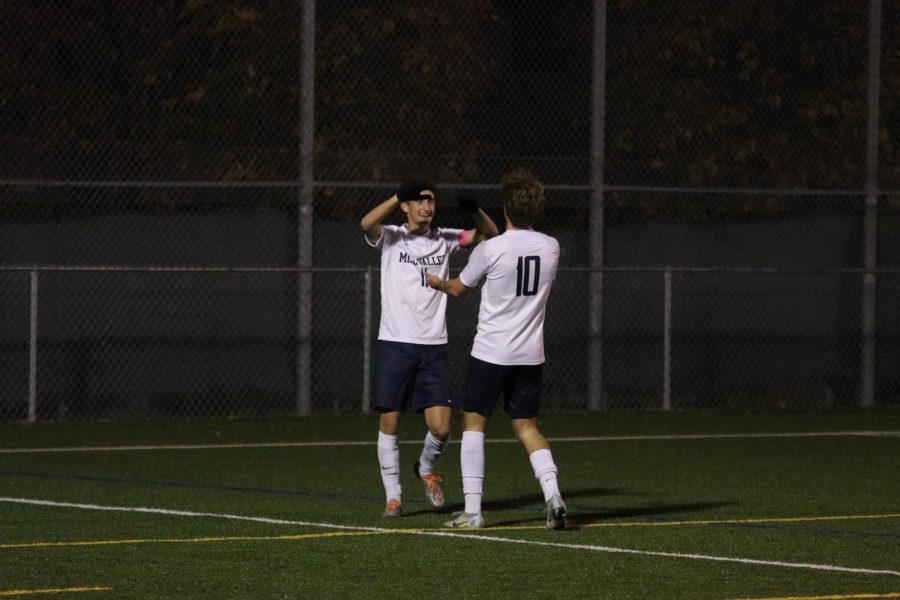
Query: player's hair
{"x": 523, "y": 197}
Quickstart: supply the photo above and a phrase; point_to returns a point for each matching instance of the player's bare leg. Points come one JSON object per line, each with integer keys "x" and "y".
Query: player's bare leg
{"x": 527, "y": 432}
{"x": 389, "y": 461}
{"x": 545, "y": 470}
{"x": 437, "y": 418}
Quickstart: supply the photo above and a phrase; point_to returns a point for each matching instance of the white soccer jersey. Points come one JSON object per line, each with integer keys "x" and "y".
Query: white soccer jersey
{"x": 519, "y": 267}
{"x": 410, "y": 310}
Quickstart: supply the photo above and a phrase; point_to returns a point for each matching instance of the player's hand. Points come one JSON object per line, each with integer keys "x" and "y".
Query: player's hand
{"x": 433, "y": 280}
{"x": 467, "y": 203}
{"x": 413, "y": 190}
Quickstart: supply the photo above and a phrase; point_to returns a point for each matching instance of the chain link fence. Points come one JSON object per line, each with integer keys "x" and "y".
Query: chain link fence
{"x": 722, "y": 179}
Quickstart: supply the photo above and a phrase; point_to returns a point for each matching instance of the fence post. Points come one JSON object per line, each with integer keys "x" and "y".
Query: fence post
{"x": 367, "y": 343}
{"x": 596, "y": 399}
{"x": 305, "y": 209}
{"x": 667, "y": 341}
{"x": 32, "y": 349}
{"x": 870, "y": 233}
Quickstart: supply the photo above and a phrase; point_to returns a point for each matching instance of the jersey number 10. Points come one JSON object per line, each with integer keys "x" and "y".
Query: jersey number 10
{"x": 528, "y": 273}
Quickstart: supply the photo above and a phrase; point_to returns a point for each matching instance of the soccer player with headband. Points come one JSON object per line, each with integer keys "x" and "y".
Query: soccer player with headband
{"x": 412, "y": 371}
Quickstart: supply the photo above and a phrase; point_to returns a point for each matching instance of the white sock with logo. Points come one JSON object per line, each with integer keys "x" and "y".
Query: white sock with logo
{"x": 389, "y": 459}
{"x": 545, "y": 472}
{"x": 471, "y": 460}
{"x": 431, "y": 452}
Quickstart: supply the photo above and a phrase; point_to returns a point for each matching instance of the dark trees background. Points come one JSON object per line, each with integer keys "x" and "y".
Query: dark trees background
{"x": 748, "y": 93}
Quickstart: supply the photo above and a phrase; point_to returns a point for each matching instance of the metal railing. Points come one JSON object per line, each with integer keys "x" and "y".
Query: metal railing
{"x": 678, "y": 318}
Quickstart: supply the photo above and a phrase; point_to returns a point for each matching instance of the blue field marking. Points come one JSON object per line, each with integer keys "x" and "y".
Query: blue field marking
{"x": 197, "y": 486}
{"x": 807, "y": 529}
{"x": 790, "y": 528}
{"x": 516, "y": 506}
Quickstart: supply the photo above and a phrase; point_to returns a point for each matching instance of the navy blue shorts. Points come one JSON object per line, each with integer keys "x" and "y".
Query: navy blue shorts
{"x": 411, "y": 376}
{"x": 520, "y": 386}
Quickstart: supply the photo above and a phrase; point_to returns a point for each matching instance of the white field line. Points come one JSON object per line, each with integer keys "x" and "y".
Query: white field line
{"x": 577, "y": 439}
{"x": 69, "y": 590}
{"x": 448, "y": 534}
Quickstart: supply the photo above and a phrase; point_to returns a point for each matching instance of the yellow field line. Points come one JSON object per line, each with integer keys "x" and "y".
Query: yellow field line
{"x": 357, "y": 529}
{"x": 200, "y": 540}
{"x": 72, "y": 590}
{"x": 307, "y": 536}
{"x": 711, "y": 522}
{"x": 748, "y": 521}
{"x": 835, "y": 597}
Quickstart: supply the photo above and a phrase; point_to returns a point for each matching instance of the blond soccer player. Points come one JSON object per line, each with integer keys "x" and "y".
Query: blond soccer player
{"x": 518, "y": 269}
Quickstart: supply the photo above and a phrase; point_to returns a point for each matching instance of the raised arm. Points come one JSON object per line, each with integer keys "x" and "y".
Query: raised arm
{"x": 485, "y": 228}
{"x": 453, "y": 287}
{"x": 371, "y": 223}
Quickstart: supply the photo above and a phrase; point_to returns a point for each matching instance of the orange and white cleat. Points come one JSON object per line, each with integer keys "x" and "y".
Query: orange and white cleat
{"x": 392, "y": 509}
{"x": 433, "y": 490}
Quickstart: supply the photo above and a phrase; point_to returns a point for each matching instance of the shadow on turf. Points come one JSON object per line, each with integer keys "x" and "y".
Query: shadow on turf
{"x": 524, "y": 502}
{"x": 577, "y": 518}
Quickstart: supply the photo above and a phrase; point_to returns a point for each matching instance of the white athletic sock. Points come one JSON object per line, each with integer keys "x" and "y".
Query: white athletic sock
{"x": 431, "y": 452}
{"x": 471, "y": 460}
{"x": 389, "y": 459}
{"x": 545, "y": 472}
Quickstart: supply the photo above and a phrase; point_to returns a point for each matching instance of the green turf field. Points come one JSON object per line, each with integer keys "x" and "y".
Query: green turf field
{"x": 662, "y": 505}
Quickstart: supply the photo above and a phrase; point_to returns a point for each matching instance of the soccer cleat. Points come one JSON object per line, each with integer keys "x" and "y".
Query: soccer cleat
{"x": 433, "y": 490}
{"x": 466, "y": 521}
{"x": 391, "y": 509}
{"x": 556, "y": 514}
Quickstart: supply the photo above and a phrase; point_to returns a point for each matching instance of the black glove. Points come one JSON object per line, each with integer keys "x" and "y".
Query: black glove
{"x": 413, "y": 190}
{"x": 467, "y": 203}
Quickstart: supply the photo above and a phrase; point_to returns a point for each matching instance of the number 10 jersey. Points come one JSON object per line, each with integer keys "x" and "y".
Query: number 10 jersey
{"x": 518, "y": 268}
